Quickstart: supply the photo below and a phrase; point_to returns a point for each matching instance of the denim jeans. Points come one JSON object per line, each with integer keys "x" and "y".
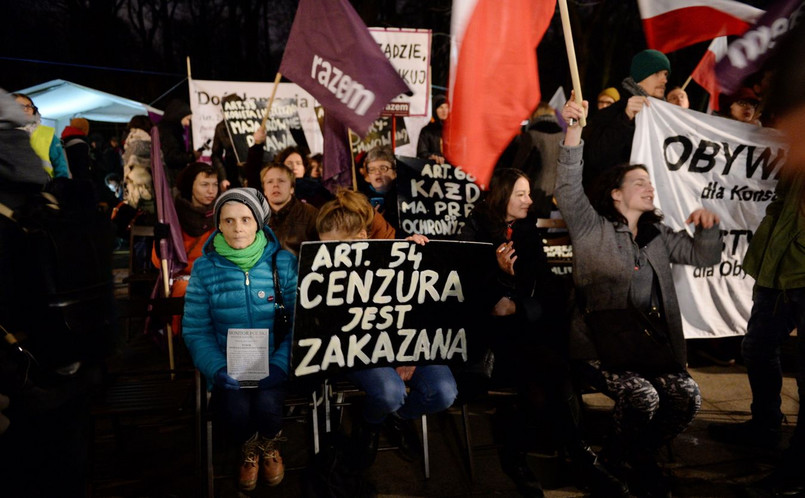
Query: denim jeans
{"x": 246, "y": 411}
{"x": 774, "y": 315}
{"x": 433, "y": 389}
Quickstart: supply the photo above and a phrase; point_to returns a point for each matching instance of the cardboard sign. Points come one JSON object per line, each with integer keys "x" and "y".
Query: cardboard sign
{"x": 433, "y": 199}
{"x": 379, "y": 134}
{"x": 372, "y": 303}
{"x": 408, "y": 50}
{"x": 243, "y": 117}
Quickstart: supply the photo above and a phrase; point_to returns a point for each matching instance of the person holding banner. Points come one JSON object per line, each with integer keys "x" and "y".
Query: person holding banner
{"x": 432, "y": 387}
{"x": 610, "y": 131}
{"x": 244, "y": 283}
{"x": 526, "y": 338}
{"x": 630, "y": 344}
{"x": 678, "y": 96}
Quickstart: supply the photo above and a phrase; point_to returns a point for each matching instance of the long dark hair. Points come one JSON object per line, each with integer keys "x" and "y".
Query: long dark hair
{"x": 494, "y": 205}
{"x": 601, "y": 195}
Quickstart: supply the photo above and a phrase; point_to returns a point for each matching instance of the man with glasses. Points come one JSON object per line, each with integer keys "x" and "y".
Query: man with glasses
{"x": 380, "y": 173}
{"x": 44, "y": 140}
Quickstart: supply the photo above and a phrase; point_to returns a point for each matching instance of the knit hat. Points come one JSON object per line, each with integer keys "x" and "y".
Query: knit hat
{"x": 648, "y": 62}
{"x": 610, "y": 92}
{"x": 81, "y": 124}
{"x": 252, "y": 197}
{"x": 438, "y": 100}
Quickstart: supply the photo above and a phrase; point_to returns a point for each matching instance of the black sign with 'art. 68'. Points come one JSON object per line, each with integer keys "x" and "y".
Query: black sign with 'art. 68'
{"x": 371, "y": 303}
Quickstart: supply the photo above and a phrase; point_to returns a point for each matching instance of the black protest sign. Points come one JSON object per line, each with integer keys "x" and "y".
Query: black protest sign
{"x": 372, "y": 303}
{"x": 378, "y": 135}
{"x": 283, "y": 126}
{"x": 434, "y": 199}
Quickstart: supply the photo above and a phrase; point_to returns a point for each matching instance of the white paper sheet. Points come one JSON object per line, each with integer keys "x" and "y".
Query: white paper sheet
{"x": 247, "y": 355}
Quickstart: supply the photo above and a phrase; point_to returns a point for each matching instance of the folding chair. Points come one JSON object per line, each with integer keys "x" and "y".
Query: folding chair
{"x": 204, "y": 430}
{"x": 335, "y": 396}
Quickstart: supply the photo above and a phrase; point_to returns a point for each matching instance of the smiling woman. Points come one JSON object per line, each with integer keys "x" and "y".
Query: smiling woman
{"x": 622, "y": 256}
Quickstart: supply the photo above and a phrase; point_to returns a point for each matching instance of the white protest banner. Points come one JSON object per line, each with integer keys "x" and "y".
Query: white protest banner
{"x": 206, "y": 98}
{"x": 408, "y": 50}
{"x": 727, "y": 167}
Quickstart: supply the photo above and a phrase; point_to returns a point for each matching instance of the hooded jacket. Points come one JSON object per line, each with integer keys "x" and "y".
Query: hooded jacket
{"x": 220, "y": 296}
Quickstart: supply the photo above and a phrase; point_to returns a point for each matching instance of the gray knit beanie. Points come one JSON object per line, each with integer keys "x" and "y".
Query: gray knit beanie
{"x": 252, "y": 197}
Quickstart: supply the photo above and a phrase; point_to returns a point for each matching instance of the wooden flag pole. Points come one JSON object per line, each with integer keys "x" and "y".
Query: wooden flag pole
{"x": 687, "y": 81}
{"x": 352, "y": 159}
{"x": 188, "y": 68}
{"x": 166, "y": 288}
{"x": 271, "y": 100}
{"x": 571, "y": 56}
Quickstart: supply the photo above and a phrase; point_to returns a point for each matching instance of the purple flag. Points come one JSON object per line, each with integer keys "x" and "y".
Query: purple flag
{"x": 337, "y": 167}
{"x": 172, "y": 247}
{"x": 747, "y": 54}
{"x": 331, "y": 54}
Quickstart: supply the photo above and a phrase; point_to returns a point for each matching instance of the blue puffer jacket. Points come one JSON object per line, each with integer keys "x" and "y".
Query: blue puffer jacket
{"x": 220, "y": 296}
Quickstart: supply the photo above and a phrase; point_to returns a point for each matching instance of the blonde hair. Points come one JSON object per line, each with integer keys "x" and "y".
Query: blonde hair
{"x": 349, "y": 212}
{"x": 268, "y": 167}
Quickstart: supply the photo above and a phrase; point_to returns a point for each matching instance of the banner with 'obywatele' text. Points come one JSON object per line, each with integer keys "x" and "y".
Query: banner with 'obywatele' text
{"x": 725, "y": 166}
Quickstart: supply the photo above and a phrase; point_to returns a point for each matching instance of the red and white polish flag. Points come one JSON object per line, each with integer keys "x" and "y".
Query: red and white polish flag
{"x": 673, "y": 24}
{"x": 494, "y": 82}
{"x": 705, "y": 72}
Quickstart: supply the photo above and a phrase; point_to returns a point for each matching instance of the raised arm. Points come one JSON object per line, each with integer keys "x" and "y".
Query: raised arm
{"x": 576, "y": 209}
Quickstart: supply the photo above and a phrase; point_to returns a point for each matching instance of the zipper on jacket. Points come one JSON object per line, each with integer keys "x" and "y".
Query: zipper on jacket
{"x": 247, "y": 278}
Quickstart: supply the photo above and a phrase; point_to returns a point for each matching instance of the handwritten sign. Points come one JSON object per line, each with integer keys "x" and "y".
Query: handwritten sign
{"x": 372, "y": 303}
{"x": 434, "y": 199}
{"x": 243, "y": 117}
{"x": 380, "y": 134}
{"x": 408, "y": 50}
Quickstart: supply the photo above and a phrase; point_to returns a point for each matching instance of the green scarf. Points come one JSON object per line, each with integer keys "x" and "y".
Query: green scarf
{"x": 245, "y": 258}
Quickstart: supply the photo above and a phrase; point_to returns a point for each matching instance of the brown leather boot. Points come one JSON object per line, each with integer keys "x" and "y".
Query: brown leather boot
{"x": 247, "y": 478}
{"x": 272, "y": 469}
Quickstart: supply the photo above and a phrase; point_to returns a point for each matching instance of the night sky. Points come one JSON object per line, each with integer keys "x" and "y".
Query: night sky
{"x": 138, "y": 48}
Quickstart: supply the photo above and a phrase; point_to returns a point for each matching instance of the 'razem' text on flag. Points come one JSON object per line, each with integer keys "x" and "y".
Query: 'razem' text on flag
{"x": 331, "y": 54}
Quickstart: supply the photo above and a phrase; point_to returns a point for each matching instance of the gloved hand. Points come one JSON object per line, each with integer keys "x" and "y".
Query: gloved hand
{"x": 276, "y": 378}
{"x": 224, "y": 381}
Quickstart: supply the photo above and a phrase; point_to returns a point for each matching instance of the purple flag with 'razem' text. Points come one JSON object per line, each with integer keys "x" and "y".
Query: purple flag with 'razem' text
{"x": 331, "y": 54}
{"x": 747, "y": 54}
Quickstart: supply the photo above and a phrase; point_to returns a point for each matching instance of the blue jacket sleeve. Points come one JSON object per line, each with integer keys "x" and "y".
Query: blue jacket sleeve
{"x": 58, "y": 160}
{"x": 197, "y": 327}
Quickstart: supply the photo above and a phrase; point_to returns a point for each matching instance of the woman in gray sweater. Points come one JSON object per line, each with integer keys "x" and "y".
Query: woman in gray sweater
{"x": 622, "y": 257}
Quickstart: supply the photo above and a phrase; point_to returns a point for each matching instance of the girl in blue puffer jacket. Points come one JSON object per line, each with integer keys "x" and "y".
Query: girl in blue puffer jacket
{"x": 232, "y": 286}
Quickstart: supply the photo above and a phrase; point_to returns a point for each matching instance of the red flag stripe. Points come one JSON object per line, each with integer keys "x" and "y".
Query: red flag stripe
{"x": 495, "y": 82}
{"x": 705, "y": 74}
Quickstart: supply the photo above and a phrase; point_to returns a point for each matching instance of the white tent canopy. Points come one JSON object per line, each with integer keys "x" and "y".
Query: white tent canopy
{"x": 59, "y": 101}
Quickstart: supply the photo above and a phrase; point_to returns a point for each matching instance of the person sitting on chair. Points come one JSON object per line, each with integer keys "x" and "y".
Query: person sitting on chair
{"x": 233, "y": 286}
{"x": 432, "y": 387}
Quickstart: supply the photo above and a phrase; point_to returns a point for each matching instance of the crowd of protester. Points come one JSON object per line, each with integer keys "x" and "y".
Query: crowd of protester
{"x": 251, "y": 220}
